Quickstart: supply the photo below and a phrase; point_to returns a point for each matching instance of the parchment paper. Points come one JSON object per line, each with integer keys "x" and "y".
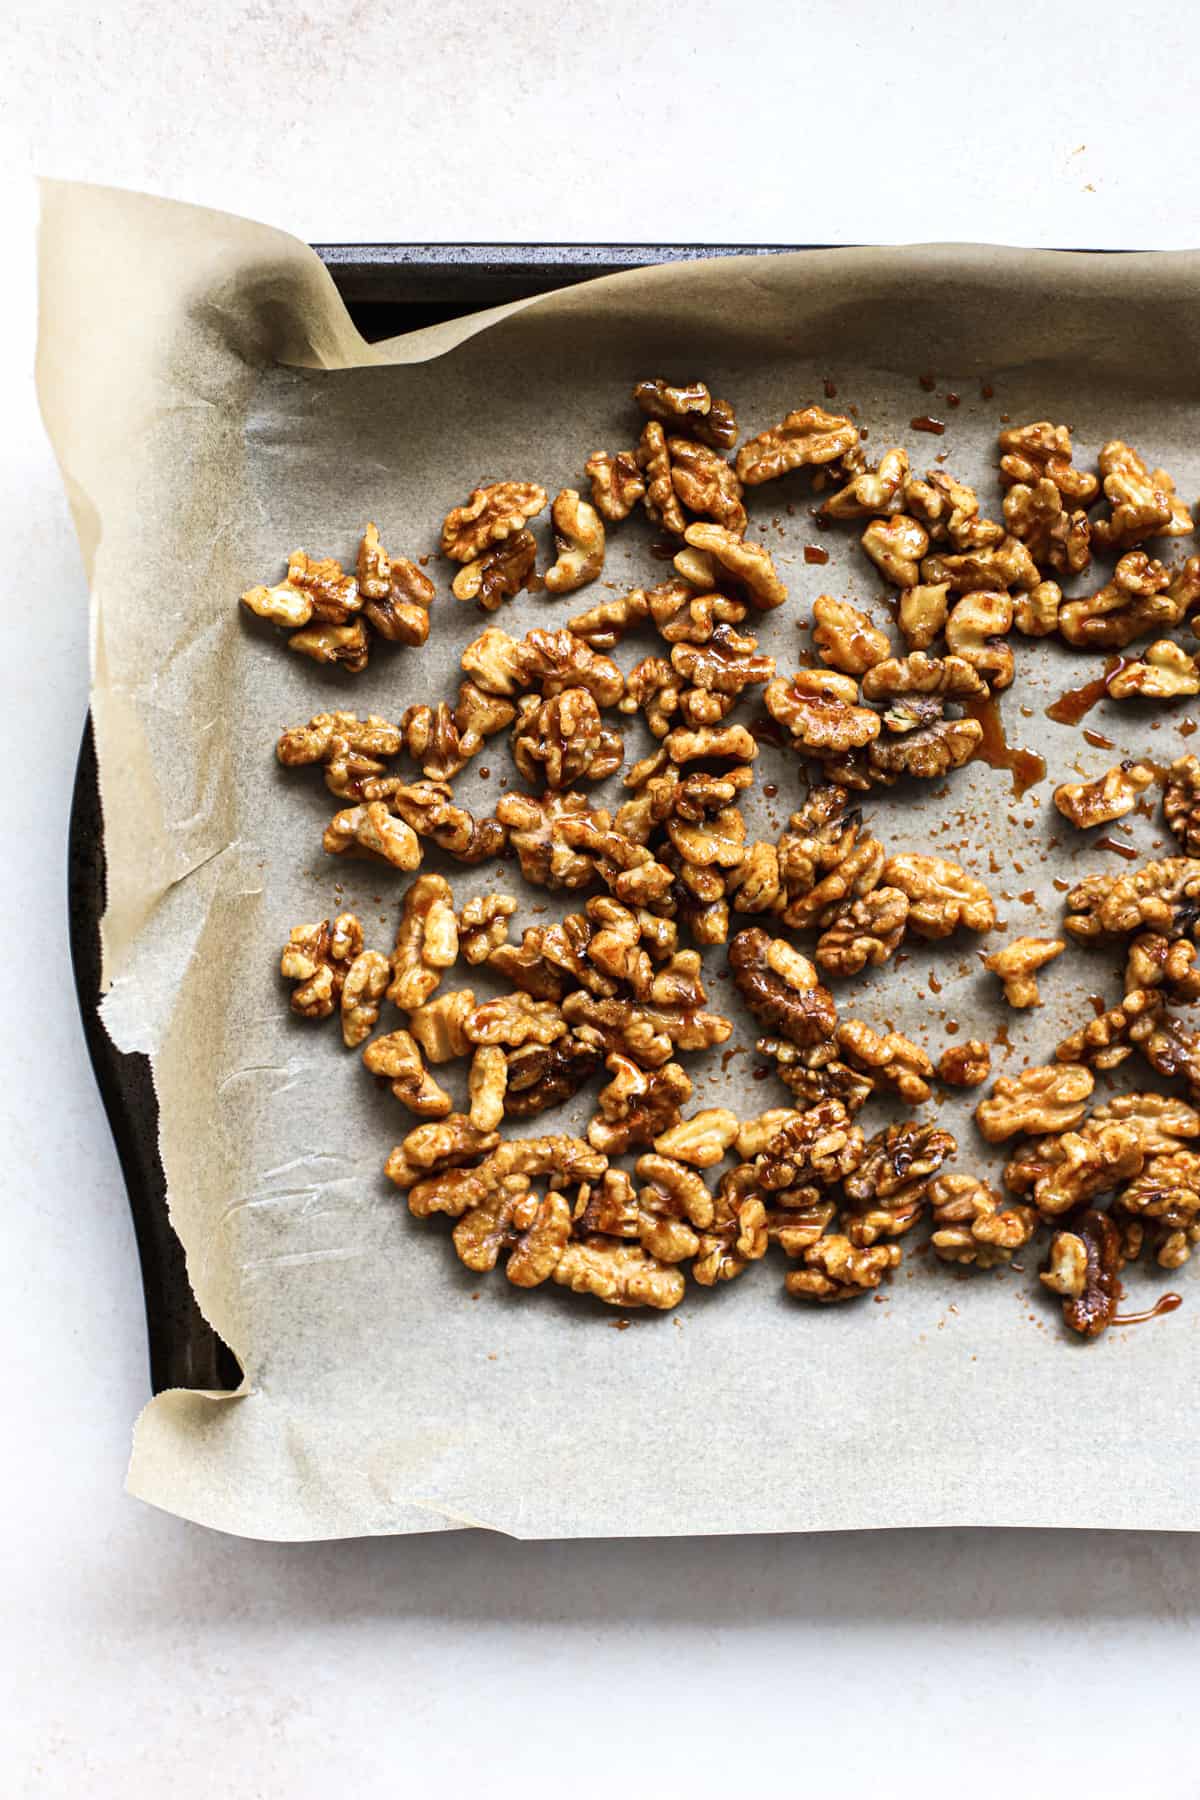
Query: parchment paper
{"x": 213, "y": 408}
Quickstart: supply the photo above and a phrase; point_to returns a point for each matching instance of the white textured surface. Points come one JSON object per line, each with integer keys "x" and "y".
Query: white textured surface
{"x": 138, "y": 1651}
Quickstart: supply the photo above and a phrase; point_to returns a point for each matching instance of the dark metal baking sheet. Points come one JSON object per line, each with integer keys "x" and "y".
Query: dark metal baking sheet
{"x": 388, "y": 289}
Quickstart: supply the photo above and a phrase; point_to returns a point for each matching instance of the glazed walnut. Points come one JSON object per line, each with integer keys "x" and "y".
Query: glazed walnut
{"x": 360, "y": 747}
{"x": 617, "y": 483}
{"x": 1172, "y": 964}
{"x": 579, "y": 540}
{"x": 992, "y": 569}
{"x": 1017, "y": 963}
{"x": 845, "y": 638}
{"x": 1084, "y": 1266}
{"x": 817, "y": 1147}
{"x": 312, "y": 589}
{"x": 820, "y": 709}
{"x": 809, "y": 438}
{"x": 319, "y": 959}
{"x": 1162, "y": 896}
{"x": 637, "y": 1105}
{"x": 701, "y": 1140}
{"x": 705, "y": 484}
{"x": 660, "y": 500}
{"x": 1054, "y": 534}
{"x": 689, "y": 407}
{"x": 345, "y": 645}
{"x": 975, "y": 631}
{"x": 941, "y": 895}
{"x": 551, "y": 661}
{"x": 1181, "y": 803}
{"x": 971, "y": 1225}
{"x": 889, "y": 1190}
{"x": 443, "y": 739}
{"x": 1142, "y": 596}
{"x": 1045, "y": 1098}
{"x": 620, "y": 1274}
{"x": 1107, "y": 797}
{"x": 871, "y": 492}
{"x": 487, "y": 1084}
{"x": 890, "y": 1059}
{"x": 1143, "y": 501}
{"x": 863, "y": 934}
{"x": 397, "y": 1058}
{"x": 541, "y": 1076}
{"x": 490, "y": 516}
{"x": 483, "y": 925}
{"x": 965, "y": 1065}
{"x": 835, "y": 1269}
{"x": 781, "y": 988}
{"x": 922, "y": 613}
{"x": 1086, "y": 1164}
{"x": 563, "y": 740}
{"x": 896, "y": 546}
{"x": 426, "y": 941}
{"x": 729, "y": 558}
{"x": 499, "y": 574}
{"x": 396, "y": 593}
{"x": 1166, "y": 672}
{"x": 372, "y": 830}
{"x": 1042, "y": 451}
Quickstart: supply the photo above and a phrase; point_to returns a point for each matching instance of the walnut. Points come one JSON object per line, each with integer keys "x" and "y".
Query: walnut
{"x": 426, "y": 941}
{"x": 682, "y": 616}
{"x": 941, "y": 895}
{"x": 726, "y": 664}
{"x": 397, "y": 594}
{"x": 439, "y": 1026}
{"x": 891, "y": 1060}
{"x": 972, "y": 1225}
{"x": 748, "y": 566}
{"x": 949, "y": 511}
{"x": 1166, "y": 672}
{"x": 939, "y": 677}
{"x": 702, "y": 1139}
{"x": 431, "y": 1149}
{"x": 1016, "y": 965}
{"x": 653, "y": 688}
{"x": 922, "y": 613}
{"x": 1046, "y": 1098}
{"x": 544, "y": 1075}
{"x": 579, "y": 540}
{"x": 993, "y": 568}
{"x": 1042, "y": 451}
{"x": 965, "y": 1065}
{"x": 491, "y": 516}
{"x": 1104, "y": 1041}
{"x": 637, "y": 1105}
{"x": 1166, "y": 1187}
{"x": 617, "y": 483}
{"x": 1051, "y": 531}
{"x": 1181, "y": 802}
{"x": 689, "y": 408}
{"x": 619, "y": 1274}
{"x": 483, "y": 925}
{"x": 821, "y": 711}
{"x": 660, "y": 499}
{"x": 732, "y": 741}
{"x": 371, "y": 830}
{"x": 825, "y": 859}
{"x": 872, "y": 492}
{"x": 781, "y": 988}
{"x": 755, "y": 883}
{"x": 444, "y": 739}
{"x": 427, "y": 807}
{"x": 1035, "y": 613}
{"x": 889, "y": 1190}
{"x": 896, "y": 546}
{"x": 360, "y": 745}
{"x": 925, "y": 754}
{"x": 1163, "y": 1120}
{"x": 1159, "y": 896}
{"x": 864, "y": 933}
{"x": 514, "y": 1019}
{"x": 805, "y": 439}
{"x": 319, "y": 958}
{"x": 1084, "y": 1266}
{"x": 397, "y": 1057}
{"x": 499, "y": 574}
{"x": 1142, "y": 596}
{"x": 705, "y": 484}
{"x": 845, "y": 638}
{"x": 563, "y": 740}
{"x": 1143, "y": 500}
{"x": 816, "y": 1073}
{"x": 344, "y": 644}
{"x": 312, "y": 589}
{"x": 738, "y": 1233}
{"x": 649, "y": 1031}
{"x": 364, "y": 987}
{"x": 536, "y": 1232}
{"x": 836, "y": 1269}
{"x": 819, "y": 1146}
{"x": 606, "y": 623}
{"x": 973, "y": 630}
{"x": 1086, "y": 1164}
{"x": 1169, "y": 1046}
{"x": 487, "y": 1082}
{"x": 1170, "y": 963}
{"x": 1106, "y": 797}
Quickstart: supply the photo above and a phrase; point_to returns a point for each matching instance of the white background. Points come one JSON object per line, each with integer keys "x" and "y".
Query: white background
{"x": 141, "y": 1654}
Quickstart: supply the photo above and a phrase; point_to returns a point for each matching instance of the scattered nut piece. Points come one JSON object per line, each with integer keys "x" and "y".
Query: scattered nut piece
{"x": 1016, "y": 965}
{"x": 1166, "y": 672}
{"x": 579, "y": 539}
{"x": 490, "y": 516}
{"x": 1106, "y": 797}
{"x": 1084, "y": 1266}
{"x": 397, "y": 1058}
{"x": 845, "y": 638}
{"x": 965, "y": 1065}
{"x": 1046, "y": 1098}
{"x": 808, "y": 438}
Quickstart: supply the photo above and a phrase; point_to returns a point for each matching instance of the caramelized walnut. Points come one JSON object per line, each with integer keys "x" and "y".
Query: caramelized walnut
{"x": 863, "y": 934}
{"x": 490, "y": 516}
{"x": 818, "y": 1147}
{"x": 965, "y": 1065}
{"x": 617, "y": 483}
{"x": 342, "y": 644}
{"x": 690, "y": 408}
{"x": 974, "y": 632}
{"x": 444, "y": 739}
{"x": 430, "y": 1149}
{"x": 1016, "y": 965}
{"x": 1166, "y": 672}
{"x": 896, "y": 546}
{"x": 1085, "y": 1164}
{"x": 544, "y": 1075}
{"x": 1042, "y": 451}
{"x": 748, "y": 566}
{"x": 845, "y": 638}
{"x": 934, "y": 677}
{"x": 620, "y": 1274}
{"x": 705, "y": 484}
{"x": 579, "y": 540}
{"x": 1162, "y": 896}
{"x": 426, "y": 941}
{"x": 312, "y": 589}
{"x": 820, "y": 709}
{"x": 637, "y": 1105}
{"x": 660, "y": 499}
{"x": 397, "y": 1058}
{"x": 992, "y": 569}
{"x": 1181, "y": 802}
{"x": 563, "y": 740}
{"x": 726, "y": 663}
{"x": 1036, "y": 612}
{"x": 781, "y": 988}
{"x": 890, "y": 1188}
{"x": 1164, "y": 1122}
{"x": 1142, "y": 596}
{"x": 890, "y": 1059}
{"x": 1172, "y": 964}
{"x": 701, "y": 1140}
{"x": 836, "y": 1269}
{"x": 738, "y": 1233}
{"x": 319, "y": 958}
{"x": 357, "y": 746}
{"x": 1143, "y": 501}
{"x": 499, "y": 574}
{"x": 372, "y": 830}
{"x": 1106, "y": 797}
{"x": 926, "y": 753}
{"x": 483, "y": 925}
{"x": 808, "y": 438}
{"x": 871, "y": 492}
{"x": 1053, "y": 533}
{"x": 922, "y": 613}
{"x": 1084, "y": 1266}
{"x": 606, "y": 623}
{"x": 971, "y": 1225}
{"x": 427, "y": 807}
{"x": 396, "y": 593}
{"x": 534, "y": 1230}
{"x": 941, "y": 895}
{"x": 1045, "y": 1098}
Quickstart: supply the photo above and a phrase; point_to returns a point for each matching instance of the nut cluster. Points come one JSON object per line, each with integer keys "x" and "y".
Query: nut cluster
{"x": 612, "y": 995}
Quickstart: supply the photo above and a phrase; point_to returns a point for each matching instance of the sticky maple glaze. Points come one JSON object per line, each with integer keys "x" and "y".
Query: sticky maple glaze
{"x": 1026, "y": 767}
{"x": 813, "y": 553}
{"x": 1076, "y": 703}
{"x": 935, "y": 427}
{"x": 1166, "y": 1303}
{"x": 1097, "y": 739}
{"x": 1117, "y": 848}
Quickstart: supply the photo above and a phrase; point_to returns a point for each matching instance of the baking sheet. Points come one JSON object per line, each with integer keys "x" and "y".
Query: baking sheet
{"x": 212, "y": 408}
